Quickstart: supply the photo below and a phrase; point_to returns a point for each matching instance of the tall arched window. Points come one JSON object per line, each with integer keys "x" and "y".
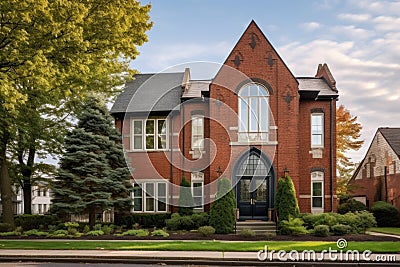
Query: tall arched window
{"x": 253, "y": 111}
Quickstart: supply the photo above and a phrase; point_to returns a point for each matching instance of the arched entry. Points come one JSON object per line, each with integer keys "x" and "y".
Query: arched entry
{"x": 254, "y": 177}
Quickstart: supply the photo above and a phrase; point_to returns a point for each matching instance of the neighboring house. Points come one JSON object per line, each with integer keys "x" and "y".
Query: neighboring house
{"x": 252, "y": 123}
{"x": 41, "y": 199}
{"x": 378, "y": 175}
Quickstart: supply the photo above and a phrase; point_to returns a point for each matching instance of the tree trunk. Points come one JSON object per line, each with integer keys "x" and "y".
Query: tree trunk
{"x": 92, "y": 218}
{"x": 27, "y": 189}
{"x": 5, "y": 189}
{"x": 26, "y": 170}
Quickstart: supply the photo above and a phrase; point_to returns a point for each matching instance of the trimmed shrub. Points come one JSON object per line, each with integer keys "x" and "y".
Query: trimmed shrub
{"x": 247, "y": 232}
{"x": 341, "y": 229}
{"x": 321, "y": 230}
{"x": 364, "y": 221}
{"x": 12, "y": 233}
{"x": 351, "y": 205}
{"x": 107, "y": 229}
{"x": 385, "y": 214}
{"x": 97, "y": 227}
{"x": 292, "y": 226}
{"x": 185, "y": 203}
{"x": 159, "y": 232}
{"x": 186, "y": 223}
{"x": 144, "y": 220}
{"x": 5, "y": 227}
{"x": 95, "y": 233}
{"x": 139, "y": 232}
{"x": 286, "y": 201}
{"x": 222, "y": 213}
{"x": 206, "y": 230}
{"x": 34, "y": 232}
{"x": 29, "y": 222}
{"x": 86, "y": 229}
{"x": 200, "y": 219}
{"x": 59, "y": 233}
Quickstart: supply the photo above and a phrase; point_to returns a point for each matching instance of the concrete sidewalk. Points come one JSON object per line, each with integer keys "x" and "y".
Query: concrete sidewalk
{"x": 185, "y": 258}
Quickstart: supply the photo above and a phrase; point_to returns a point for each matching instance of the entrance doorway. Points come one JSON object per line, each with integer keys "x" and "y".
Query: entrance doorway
{"x": 255, "y": 187}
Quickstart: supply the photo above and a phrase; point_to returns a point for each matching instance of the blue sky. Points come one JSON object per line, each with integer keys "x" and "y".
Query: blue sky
{"x": 359, "y": 40}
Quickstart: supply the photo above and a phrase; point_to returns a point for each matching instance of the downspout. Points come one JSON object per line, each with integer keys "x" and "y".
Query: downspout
{"x": 171, "y": 178}
{"x": 332, "y": 155}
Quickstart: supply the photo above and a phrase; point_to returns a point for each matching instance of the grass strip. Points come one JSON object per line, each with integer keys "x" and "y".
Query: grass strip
{"x": 318, "y": 246}
{"x": 386, "y": 230}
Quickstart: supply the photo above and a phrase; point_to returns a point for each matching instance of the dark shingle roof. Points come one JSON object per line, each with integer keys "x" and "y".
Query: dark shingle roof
{"x": 392, "y": 136}
{"x": 316, "y": 84}
{"x": 150, "y": 92}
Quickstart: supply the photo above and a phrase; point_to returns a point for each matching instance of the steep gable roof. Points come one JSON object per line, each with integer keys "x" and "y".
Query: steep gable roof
{"x": 392, "y": 136}
{"x": 242, "y": 39}
{"x": 150, "y": 92}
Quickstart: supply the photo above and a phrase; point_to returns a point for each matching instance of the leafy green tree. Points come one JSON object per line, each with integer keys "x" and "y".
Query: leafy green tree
{"x": 52, "y": 53}
{"x": 286, "y": 202}
{"x": 93, "y": 175}
{"x": 222, "y": 213}
{"x": 186, "y": 202}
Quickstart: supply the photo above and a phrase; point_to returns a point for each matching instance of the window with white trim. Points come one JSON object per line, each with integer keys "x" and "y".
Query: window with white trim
{"x": 253, "y": 112}
{"x": 150, "y": 134}
{"x": 149, "y": 197}
{"x": 317, "y": 190}
{"x": 317, "y": 130}
{"x": 197, "y": 132}
{"x": 197, "y": 184}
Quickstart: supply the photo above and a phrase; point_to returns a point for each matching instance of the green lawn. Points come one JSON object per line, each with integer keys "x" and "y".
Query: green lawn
{"x": 392, "y": 247}
{"x": 386, "y": 230}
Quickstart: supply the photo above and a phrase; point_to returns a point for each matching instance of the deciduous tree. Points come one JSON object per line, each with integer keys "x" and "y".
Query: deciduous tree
{"x": 52, "y": 53}
{"x": 347, "y": 138}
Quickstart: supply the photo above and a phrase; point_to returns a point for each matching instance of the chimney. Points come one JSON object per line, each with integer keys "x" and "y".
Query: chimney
{"x": 324, "y": 72}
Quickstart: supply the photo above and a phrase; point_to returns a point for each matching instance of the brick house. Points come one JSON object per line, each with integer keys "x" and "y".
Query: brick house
{"x": 378, "y": 175}
{"x": 252, "y": 123}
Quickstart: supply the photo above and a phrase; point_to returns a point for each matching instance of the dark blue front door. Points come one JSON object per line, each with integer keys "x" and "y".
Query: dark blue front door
{"x": 252, "y": 198}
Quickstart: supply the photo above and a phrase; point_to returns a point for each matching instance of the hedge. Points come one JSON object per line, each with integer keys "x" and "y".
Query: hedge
{"x": 144, "y": 220}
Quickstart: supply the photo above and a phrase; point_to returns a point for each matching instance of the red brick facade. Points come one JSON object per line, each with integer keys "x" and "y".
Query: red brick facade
{"x": 288, "y": 147}
{"x": 378, "y": 176}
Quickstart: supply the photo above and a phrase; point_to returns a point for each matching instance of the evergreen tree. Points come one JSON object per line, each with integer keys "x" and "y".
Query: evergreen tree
{"x": 286, "y": 201}
{"x": 93, "y": 175}
{"x": 186, "y": 202}
{"x": 222, "y": 213}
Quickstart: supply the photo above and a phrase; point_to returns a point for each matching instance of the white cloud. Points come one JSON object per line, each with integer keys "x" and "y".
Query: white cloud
{"x": 352, "y": 32}
{"x": 354, "y": 17}
{"x": 367, "y": 81}
{"x": 379, "y": 7}
{"x": 386, "y": 23}
{"x": 311, "y": 26}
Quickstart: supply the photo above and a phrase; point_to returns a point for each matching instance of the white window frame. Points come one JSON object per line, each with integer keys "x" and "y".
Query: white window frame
{"x": 198, "y": 178}
{"x": 157, "y": 133}
{"x": 317, "y": 177}
{"x": 244, "y": 129}
{"x": 200, "y": 136}
{"x": 155, "y": 198}
{"x": 322, "y": 134}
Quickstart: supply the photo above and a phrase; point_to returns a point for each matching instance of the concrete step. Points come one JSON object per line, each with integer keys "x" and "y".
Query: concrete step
{"x": 259, "y": 227}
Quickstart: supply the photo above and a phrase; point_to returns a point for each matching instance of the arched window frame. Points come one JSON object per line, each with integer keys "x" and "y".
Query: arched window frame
{"x": 253, "y": 111}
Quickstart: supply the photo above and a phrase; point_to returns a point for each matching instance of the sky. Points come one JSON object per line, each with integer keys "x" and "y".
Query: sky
{"x": 359, "y": 40}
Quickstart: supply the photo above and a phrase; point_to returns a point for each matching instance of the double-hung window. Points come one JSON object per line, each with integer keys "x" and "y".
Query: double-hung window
{"x": 150, "y": 134}
{"x": 197, "y": 132}
{"x": 149, "y": 197}
{"x": 253, "y": 112}
{"x": 317, "y": 191}
{"x": 197, "y": 180}
{"x": 317, "y": 130}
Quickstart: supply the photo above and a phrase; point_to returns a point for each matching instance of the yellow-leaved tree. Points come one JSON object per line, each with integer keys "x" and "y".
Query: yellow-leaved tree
{"x": 347, "y": 138}
{"x": 53, "y": 53}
